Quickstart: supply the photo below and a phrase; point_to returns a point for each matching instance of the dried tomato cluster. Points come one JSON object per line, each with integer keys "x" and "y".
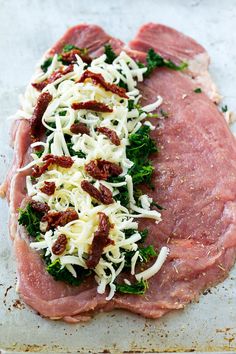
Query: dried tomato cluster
{"x": 59, "y": 218}
{"x": 102, "y": 169}
{"x": 98, "y": 79}
{"x": 36, "y": 126}
{"x": 103, "y": 195}
{"x": 56, "y": 75}
{"x": 100, "y": 241}
{"x": 49, "y": 159}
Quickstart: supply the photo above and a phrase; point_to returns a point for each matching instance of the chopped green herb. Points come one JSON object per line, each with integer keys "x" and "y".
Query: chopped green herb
{"x": 141, "y": 173}
{"x": 154, "y": 60}
{"x": 39, "y": 153}
{"x": 123, "y": 85}
{"x": 72, "y": 152}
{"x": 31, "y": 220}
{"x": 46, "y": 64}
{"x": 111, "y": 55}
{"x": 130, "y": 105}
{"x": 123, "y": 195}
{"x": 62, "y": 113}
{"x": 52, "y": 125}
{"x": 68, "y": 47}
{"x": 140, "y": 65}
{"x": 141, "y": 146}
{"x": 198, "y": 90}
{"x": 147, "y": 252}
{"x": 139, "y": 288}
{"x": 224, "y": 108}
{"x": 59, "y": 273}
{"x": 143, "y": 234}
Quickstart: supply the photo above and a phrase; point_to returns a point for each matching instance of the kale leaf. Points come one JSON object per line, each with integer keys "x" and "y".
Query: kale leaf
{"x": 138, "y": 288}
{"x": 111, "y": 55}
{"x": 154, "y": 61}
{"x": 59, "y": 273}
{"x": 31, "y": 220}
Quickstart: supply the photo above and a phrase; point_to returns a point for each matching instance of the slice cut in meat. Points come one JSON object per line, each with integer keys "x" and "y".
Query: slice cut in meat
{"x": 194, "y": 180}
{"x": 177, "y": 47}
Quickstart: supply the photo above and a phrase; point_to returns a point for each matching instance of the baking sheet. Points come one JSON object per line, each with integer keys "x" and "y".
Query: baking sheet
{"x": 27, "y": 29}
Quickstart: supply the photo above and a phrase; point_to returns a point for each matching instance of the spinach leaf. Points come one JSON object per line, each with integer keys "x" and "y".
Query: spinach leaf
{"x": 141, "y": 146}
{"x": 141, "y": 174}
{"x": 155, "y": 60}
{"x": 58, "y": 273}
{"x": 138, "y": 288}
{"x": 31, "y": 220}
{"x": 46, "y": 64}
{"x": 111, "y": 55}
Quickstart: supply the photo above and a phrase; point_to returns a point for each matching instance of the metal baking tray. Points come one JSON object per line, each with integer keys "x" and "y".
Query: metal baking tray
{"x": 206, "y": 326}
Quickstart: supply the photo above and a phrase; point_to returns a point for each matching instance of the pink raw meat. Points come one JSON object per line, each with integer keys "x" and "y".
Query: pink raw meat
{"x": 194, "y": 180}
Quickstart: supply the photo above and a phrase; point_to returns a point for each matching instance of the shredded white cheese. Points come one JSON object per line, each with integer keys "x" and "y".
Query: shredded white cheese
{"x": 58, "y": 118}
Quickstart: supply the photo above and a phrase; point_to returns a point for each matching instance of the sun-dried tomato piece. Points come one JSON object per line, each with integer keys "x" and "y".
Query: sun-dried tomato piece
{"x": 36, "y": 126}
{"x": 59, "y": 245}
{"x": 48, "y": 188}
{"x": 102, "y": 169}
{"x": 98, "y": 79}
{"x": 111, "y": 134}
{"x": 100, "y": 241}
{"x": 56, "y": 75}
{"x": 40, "y": 207}
{"x": 70, "y": 57}
{"x": 49, "y": 159}
{"x": 79, "y": 128}
{"x": 106, "y": 194}
{"x": 59, "y": 218}
{"x": 92, "y": 106}
{"x": 103, "y": 195}
{"x": 62, "y": 161}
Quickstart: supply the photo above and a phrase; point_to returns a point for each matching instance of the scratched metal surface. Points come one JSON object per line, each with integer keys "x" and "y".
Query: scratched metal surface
{"x": 27, "y": 29}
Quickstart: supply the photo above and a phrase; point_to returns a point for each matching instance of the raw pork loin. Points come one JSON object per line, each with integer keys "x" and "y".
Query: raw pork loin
{"x": 195, "y": 179}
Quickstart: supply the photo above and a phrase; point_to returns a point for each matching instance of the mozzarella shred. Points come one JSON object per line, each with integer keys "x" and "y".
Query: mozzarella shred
{"x": 148, "y": 273}
{"x": 84, "y": 148}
